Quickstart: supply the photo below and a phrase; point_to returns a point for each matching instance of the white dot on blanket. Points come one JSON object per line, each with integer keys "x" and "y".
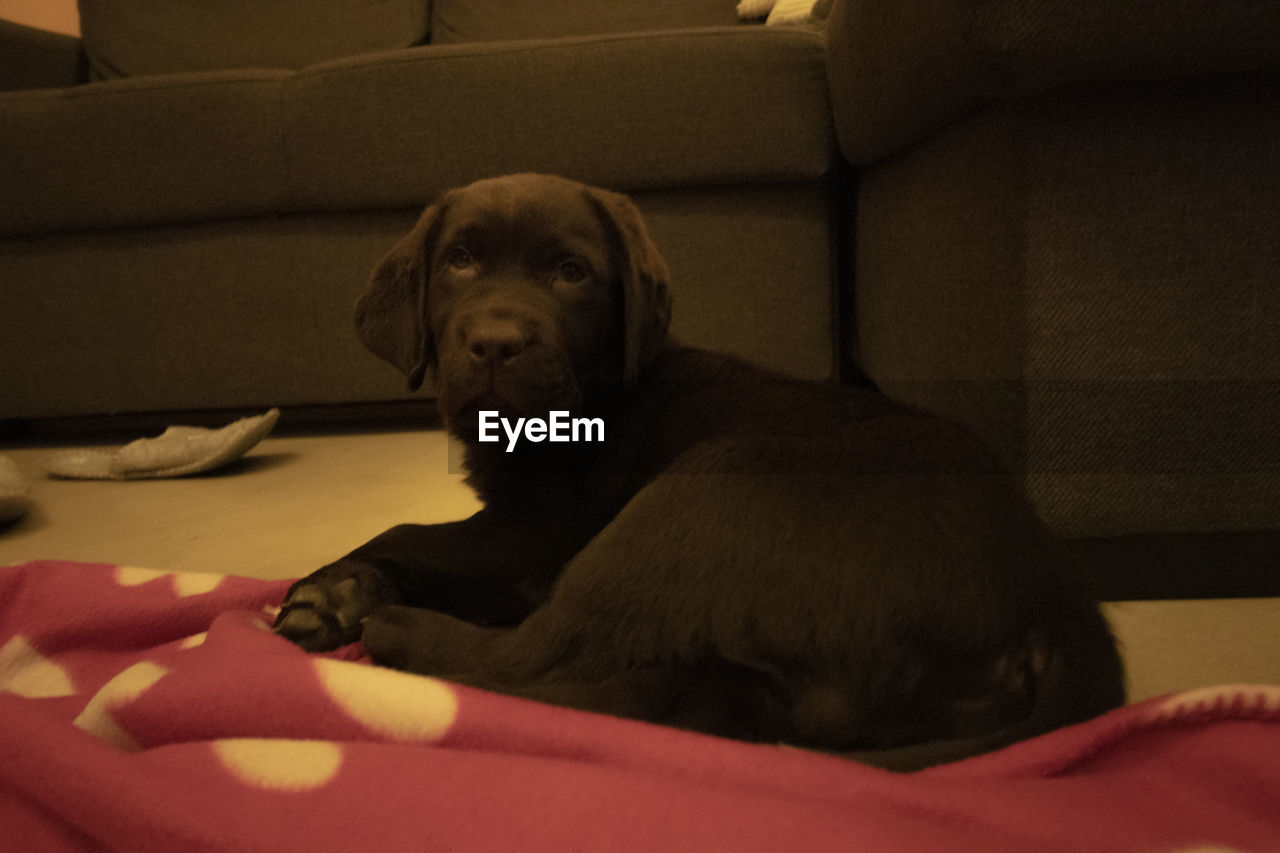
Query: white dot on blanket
{"x": 280, "y": 765}
{"x": 194, "y": 641}
{"x": 185, "y": 584}
{"x": 397, "y": 705}
{"x": 1220, "y": 699}
{"x": 121, "y": 690}
{"x": 26, "y": 672}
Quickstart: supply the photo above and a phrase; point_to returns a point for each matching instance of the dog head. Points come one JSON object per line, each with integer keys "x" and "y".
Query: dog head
{"x": 523, "y": 293}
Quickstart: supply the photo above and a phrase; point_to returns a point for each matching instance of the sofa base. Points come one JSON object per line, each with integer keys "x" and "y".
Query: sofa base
{"x": 258, "y": 312}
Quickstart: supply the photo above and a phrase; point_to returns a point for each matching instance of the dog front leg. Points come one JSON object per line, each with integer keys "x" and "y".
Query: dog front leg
{"x": 481, "y": 569}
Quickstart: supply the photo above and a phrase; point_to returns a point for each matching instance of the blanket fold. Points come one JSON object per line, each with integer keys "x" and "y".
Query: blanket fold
{"x": 144, "y": 710}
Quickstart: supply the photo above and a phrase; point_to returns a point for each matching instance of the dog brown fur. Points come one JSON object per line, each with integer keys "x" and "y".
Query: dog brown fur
{"x": 744, "y": 554}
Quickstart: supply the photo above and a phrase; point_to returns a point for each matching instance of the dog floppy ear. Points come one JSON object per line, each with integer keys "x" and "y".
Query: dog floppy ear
{"x": 391, "y": 312}
{"x": 646, "y": 300}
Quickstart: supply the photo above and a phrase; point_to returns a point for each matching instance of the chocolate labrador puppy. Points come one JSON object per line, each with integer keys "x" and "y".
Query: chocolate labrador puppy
{"x": 680, "y": 537}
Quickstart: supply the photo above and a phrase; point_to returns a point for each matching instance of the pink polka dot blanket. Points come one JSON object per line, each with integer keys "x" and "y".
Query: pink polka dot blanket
{"x": 142, "y": 710}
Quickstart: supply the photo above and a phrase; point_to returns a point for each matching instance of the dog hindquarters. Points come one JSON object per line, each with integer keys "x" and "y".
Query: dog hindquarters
{"x": 718, "y": 698}
{"x": 787, "y": 598}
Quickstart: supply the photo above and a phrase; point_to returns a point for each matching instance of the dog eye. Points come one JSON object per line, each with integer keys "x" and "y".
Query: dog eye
{"x": 459, "y": 258}
{"x": 571, "y": 272}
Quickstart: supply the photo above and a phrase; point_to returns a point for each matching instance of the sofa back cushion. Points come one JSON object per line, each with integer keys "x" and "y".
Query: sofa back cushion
{"x": 129, "y": 38}
{"x": 455, "y": 21}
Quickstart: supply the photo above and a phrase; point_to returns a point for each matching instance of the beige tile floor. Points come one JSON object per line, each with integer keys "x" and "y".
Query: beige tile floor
{"x": 297, "y": 502}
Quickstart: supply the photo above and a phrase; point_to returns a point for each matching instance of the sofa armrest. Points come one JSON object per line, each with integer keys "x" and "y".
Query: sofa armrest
{"x": 900, "y": 69}
{"x": 38, "y": 59}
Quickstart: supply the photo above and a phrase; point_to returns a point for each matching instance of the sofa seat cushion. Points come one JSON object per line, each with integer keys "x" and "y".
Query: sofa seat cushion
{"x": 392, "y": 129}
{"x": 135, "y": 152}
{"x": 129, "y": 38}
{"x": 678, "y": 109}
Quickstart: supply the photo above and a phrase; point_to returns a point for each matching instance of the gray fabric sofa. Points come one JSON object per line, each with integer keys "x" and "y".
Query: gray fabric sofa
{"x": 1061, "y": 225}
{"x": 1068, "y": 235}
{"x": 194, "y": 192}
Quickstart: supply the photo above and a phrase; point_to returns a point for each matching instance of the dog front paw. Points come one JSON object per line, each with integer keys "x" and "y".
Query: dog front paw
{"x": 326, "y": 609}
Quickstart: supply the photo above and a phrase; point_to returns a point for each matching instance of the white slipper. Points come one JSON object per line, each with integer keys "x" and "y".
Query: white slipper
{"x": 14, "y": 500}
{"x": 179, "y": 451}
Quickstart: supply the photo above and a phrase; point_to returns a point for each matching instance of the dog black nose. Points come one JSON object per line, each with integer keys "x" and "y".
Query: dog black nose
{"x": 496, "y": 341}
